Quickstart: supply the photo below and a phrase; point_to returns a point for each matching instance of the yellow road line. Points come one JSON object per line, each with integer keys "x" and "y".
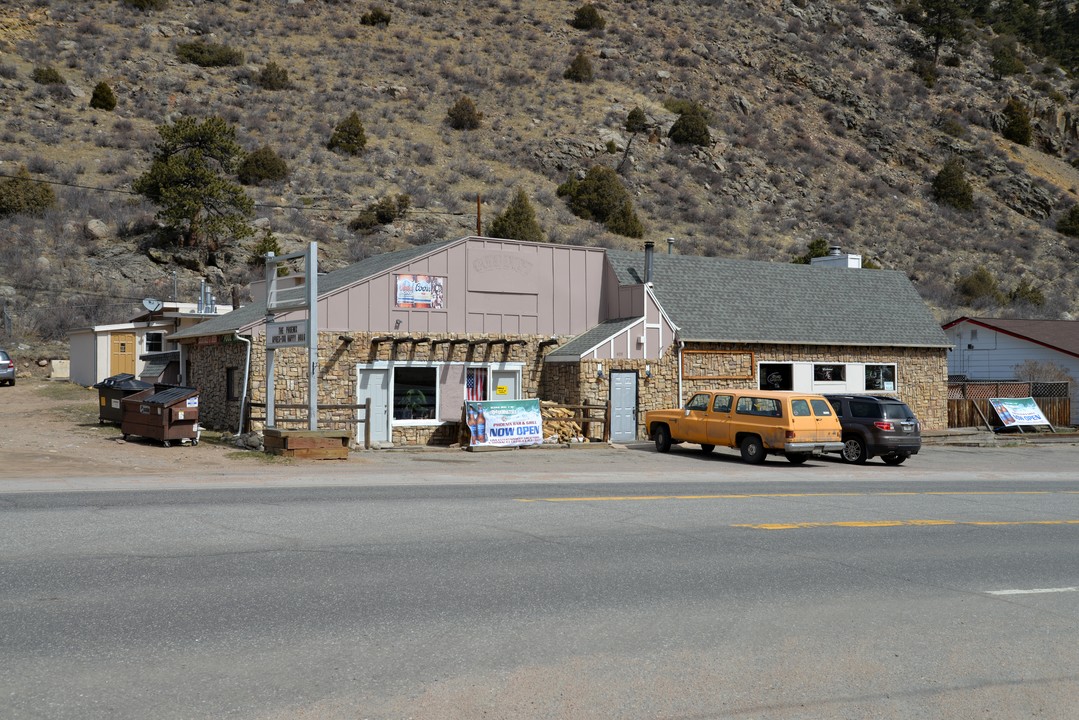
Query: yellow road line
{"x": 897, "y": 523}
{"x": 746, "y": 496}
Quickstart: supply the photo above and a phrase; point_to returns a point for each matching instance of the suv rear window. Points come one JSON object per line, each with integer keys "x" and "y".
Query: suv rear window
{"x": 897, "y": 411}
{"x": 863, "y": 409}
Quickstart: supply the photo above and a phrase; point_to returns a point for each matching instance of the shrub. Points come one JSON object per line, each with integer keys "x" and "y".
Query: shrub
{"x": 206, "y": 54}
{"x": 686, "y": 107}
{"x": 580, "y": 70}
{"x": 273, "y": 77}
{"x": 349, "y": 136}
{"x": 690, "y": 129}
{"x": 950, "y": 186}
{"x": 1026, "y": 293}
{"x": 1068, "y": 224}
{"x": 600, "y": 196}
{"x": 951, "y": 124}
{"x": 382, "y": 212}
{"x": 463, "y": 115}
{"x": 517, "y": 221}
{"x": 22, "y": 194}
{"x": 147, "y": 5}
{"x": 978, "y": 285}
{"x": 587, "y": 17}
{"x": 376, "y": 17}
{"x": 262, "y": 165}
{"x": 817, "y": 247}
{"x": 636, "y": 121}
{"x": 103, "y": 97}
{"x": 1006, "y": 59}
{"x": 47, "y": 75}
{"x": 1017, "y": 123}
{"x": 926, "y": 70}
{"x": 267, "y": 244}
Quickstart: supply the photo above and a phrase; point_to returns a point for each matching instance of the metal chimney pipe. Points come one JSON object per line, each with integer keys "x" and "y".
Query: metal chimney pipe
{"x": 835, "y": 250}
{"x": 670, "y": 245}
{"x": 649, "y": 251}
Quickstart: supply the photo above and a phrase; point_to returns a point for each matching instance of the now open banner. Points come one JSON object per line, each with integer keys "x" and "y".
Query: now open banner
{"x": 504, "y": 423}
{"x": 1018, "y": 411}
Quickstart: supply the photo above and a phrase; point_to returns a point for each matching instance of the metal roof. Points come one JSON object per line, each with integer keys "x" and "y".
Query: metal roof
{"x": 589, "y": 339}
{"x": 745, "y": 301}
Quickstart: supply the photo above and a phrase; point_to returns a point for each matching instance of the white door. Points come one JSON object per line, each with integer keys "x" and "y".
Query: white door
{"x": 374, "y": 384}
{"x": 505, "y": 385}
{"x": 623, "y": 406}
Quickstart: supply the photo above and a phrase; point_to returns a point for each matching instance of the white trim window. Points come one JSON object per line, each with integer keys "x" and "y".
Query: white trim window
{"x": 155, "y": 341}
{"x": 880, "y": 377}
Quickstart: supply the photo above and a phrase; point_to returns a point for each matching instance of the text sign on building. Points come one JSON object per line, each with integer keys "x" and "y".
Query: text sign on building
{"x": 286, "y": 334}
{"x": 420, "y": 291}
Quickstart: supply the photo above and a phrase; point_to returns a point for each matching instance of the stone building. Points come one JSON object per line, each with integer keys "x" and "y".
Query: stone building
{"x": 419, "y": 331}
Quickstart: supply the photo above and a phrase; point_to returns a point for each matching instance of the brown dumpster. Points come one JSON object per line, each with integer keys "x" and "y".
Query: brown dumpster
{"x": 164, "y": 412}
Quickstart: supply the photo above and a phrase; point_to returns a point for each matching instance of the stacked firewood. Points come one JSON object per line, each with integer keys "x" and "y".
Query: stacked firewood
{"x": 558, "y": 425}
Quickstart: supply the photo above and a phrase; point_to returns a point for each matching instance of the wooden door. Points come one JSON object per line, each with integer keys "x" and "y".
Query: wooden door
{"x": 122, "y": 358}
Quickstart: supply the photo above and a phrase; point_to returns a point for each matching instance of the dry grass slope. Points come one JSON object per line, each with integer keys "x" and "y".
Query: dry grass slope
{"x": 819, "y": 129}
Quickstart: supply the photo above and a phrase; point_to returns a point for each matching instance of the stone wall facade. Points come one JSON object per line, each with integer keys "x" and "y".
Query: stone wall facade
{"x": 921, "y": 375}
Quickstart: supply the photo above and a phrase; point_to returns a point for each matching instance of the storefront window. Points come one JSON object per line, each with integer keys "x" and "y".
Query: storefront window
{"x": 414, "y": 393}
{"x": 777, "y": 376}
{"x": 829, "y": 373}
{"x": 880, "y": 377}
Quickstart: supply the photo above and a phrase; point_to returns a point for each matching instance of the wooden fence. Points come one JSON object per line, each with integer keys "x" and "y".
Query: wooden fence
{"x": 971, "y": 412}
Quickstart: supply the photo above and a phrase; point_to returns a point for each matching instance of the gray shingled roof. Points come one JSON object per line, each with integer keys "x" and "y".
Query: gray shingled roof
{"x": 588, "y": 340}
{"x": 249, "y": 315}
{"x": 720, "y": 300}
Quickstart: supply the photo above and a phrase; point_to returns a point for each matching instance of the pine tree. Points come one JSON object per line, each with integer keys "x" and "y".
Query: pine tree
{"x": 1017, "y": 126}
{"x": 187, "y": 181}
{"x": 349, "y": 136}
{"x": 1068, "y": 224}
{"x": 103, "y": 97}
{"x": 950, "y": 186}
{"x": 517, "y": 221}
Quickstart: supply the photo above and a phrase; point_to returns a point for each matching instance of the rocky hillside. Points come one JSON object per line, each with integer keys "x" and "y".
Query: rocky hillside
{"x": 820, "y": 129}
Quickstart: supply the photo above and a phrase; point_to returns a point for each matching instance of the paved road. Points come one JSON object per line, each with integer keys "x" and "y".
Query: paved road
{"x": 606, "y": 584}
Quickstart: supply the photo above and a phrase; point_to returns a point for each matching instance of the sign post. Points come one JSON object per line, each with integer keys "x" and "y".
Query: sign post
{"x": 293, "y": 333}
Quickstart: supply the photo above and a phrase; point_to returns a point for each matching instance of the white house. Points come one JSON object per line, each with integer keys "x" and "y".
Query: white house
{"x": 992, "y": 348}
{"x": 104, "y": 350}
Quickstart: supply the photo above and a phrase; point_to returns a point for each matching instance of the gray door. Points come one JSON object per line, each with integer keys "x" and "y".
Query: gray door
{"x": 504, "y": 385}
{"x": 374, "y": 384}
{"x": 623, "y": 406}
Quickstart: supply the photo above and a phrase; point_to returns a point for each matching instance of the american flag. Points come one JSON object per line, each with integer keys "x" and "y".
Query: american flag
{"x": 476, "y": 384}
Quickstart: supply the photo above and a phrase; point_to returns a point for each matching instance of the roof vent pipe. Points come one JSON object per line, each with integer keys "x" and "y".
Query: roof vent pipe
{"x": 835, "y": 250}
{"x": 670, "y": 245}
{"x": 649, "y": 251}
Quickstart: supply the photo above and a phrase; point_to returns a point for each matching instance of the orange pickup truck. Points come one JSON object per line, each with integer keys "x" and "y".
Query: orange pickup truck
{"x": 757, "y": 422}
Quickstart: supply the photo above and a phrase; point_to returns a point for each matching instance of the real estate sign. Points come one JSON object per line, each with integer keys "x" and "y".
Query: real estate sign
{"x": 504, "y": 423}
{"x": 1018, "y": 411}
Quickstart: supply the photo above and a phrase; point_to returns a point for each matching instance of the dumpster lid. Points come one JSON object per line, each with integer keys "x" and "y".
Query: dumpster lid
{"x": 169, "y": 394}
{"x": 123, "y": 381}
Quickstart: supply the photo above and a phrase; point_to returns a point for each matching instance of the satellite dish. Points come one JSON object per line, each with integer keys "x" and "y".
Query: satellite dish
{"x": 152, "y": 304}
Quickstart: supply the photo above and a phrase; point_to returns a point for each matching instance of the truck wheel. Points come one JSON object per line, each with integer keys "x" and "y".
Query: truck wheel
{"x": 853, "y": 451}
{"x": 705, "y": 448}
{"x": 894, "y": 459}
{"x": 663, "y": 439}
{"x": 752, "y": 450}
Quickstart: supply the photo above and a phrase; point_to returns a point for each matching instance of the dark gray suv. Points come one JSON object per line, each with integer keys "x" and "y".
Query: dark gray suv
{"x": 876, "y": 425}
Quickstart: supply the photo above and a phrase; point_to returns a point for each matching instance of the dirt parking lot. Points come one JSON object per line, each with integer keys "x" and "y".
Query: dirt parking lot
{"x": 51, "y": 428}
